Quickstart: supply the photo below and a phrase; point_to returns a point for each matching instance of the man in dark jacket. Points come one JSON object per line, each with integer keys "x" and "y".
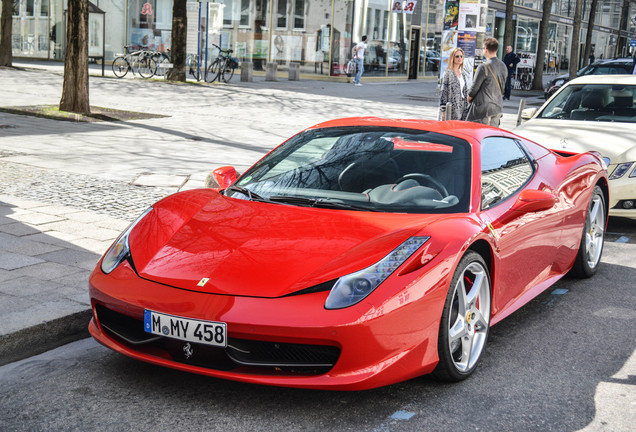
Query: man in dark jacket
{"x": 485, "y": 94}
{"x": 510, "y": 59}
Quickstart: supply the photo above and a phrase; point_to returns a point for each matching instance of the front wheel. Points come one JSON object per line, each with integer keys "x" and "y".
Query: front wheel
{"x": 227, "y": 71}
{"x": 465, "y": 320}
{"x": 591, "y": 248}
{"x": 147, "y": 67}
{"x": 120, "y": 67}
{"x": 213, "y": 71}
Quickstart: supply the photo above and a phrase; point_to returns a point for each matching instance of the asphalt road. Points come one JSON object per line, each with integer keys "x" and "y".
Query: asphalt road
{"x": 564, "y": 362}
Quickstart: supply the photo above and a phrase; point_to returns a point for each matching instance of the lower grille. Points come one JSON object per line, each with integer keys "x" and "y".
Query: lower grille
{"x": 249, "y": 356}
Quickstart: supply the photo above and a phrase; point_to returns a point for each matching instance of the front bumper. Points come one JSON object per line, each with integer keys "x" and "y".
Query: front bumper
{"x": 389, "y": 337}
{"x": 622, "y": 189}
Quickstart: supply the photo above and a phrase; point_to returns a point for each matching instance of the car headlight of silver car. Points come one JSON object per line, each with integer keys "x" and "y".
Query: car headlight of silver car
{"x": 120, "y": 249}
{"x": 621, "y": 169}
{"x": 354, "y": 287}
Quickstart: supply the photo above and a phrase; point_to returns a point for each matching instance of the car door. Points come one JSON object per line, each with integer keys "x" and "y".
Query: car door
{"x": 526, "y": 242}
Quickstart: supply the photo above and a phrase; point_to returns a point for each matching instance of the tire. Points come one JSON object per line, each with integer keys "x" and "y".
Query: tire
{"x": 120, "y": 67}
{"x": 213, "y": 72}
{"x": 465, "y": 320}
{"x": 227, "y": 72}
{"x": 590, "y": 250}
{"x": 147, "y": 67}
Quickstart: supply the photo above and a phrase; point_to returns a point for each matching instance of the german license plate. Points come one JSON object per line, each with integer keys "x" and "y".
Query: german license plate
{"x": 187, "y": 329}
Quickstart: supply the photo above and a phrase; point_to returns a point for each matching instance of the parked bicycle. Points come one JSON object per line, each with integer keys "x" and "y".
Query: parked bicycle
{"x": 140, "y": 61}
{"x": 162, "y": 60}
{"x": 222, "y": 68}
{"x": 195, "y": 68}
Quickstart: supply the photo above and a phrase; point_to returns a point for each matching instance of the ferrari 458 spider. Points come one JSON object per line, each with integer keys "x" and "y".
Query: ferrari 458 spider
{"x": 359, "y": 253}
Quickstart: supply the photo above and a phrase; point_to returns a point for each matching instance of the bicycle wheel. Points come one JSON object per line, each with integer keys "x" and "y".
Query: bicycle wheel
{"x": 227, "y": 72}
{"x": 213, "y": 71}
{"x": 147, "y": 67}
{"x": 162, "y": 62}
{"x": 120, "y": 67}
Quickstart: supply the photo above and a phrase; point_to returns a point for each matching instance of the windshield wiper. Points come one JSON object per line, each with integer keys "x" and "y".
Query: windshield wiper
{"x": 318, "y": 202}
{"x": 251, "y": 195}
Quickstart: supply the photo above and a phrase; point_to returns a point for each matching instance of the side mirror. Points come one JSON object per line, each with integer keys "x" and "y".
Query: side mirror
{"x": 224, "y": 176}
{"x": 531, "y": 200}
{"x": 528, "y": 113}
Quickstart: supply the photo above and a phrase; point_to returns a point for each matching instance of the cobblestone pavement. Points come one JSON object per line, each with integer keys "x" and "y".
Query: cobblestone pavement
{"x": 108, "y": 197}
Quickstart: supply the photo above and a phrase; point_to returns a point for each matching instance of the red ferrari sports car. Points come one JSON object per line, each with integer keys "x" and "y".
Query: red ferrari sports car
{"x": 359, "y": 253}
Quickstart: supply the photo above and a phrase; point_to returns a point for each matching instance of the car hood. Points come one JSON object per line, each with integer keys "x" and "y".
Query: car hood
{"x": 260, "y": 249}
{"x": 611, "y": 139}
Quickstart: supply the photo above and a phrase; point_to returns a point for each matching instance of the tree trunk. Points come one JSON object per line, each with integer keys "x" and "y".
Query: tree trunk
{"x": 537, "y": 84}
{"x": 178, "y": 49}
{"x": 509, "y": 31}
{"x": 573, "y": 67}
{"x": 75, "y": 87}
{"x": 6, "y": 24}
{"x": 588, "y": 35}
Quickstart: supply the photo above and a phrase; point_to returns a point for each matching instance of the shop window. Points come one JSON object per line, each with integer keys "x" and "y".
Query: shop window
{"x": 163, "y": 14}
{"x": 281, "y": 14}
{"x": 299, "y": 14}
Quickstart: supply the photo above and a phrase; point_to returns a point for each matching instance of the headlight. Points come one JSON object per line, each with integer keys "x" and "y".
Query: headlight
{"x": 352, "y": 288}
{"x": 120, "y": 249}
{"x": 621, "y": 169}
{"x": 559, "y": 82}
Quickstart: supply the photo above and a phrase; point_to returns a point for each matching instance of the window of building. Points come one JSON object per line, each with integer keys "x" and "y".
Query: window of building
{"x": 44, "y": 8}
{"x": 505, "y": 168}
{"x": 16, "y": 8}
{"x": 299, "y": 14}
{"x": 281, "y": 14}
{"x": 245, "y": 13}
{"x": 30, "y": 8}
{"x": 227, "y": 12}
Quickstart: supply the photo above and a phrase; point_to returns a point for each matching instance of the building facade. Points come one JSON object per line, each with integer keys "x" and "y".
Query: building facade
{"x": 317, "y": 34}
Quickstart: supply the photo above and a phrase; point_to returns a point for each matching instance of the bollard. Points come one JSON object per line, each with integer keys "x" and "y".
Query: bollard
{"x": 271, "y": 71}
{"x": 247, "y": 71}
{"x": 522, "y": 105}
{"x": 294, "y": 71}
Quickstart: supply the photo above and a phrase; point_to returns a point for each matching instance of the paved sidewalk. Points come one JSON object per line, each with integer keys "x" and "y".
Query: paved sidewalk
{"x": 68, "y": 189}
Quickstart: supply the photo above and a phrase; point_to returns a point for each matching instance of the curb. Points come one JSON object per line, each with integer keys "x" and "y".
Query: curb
{"x": 44, "y": 337}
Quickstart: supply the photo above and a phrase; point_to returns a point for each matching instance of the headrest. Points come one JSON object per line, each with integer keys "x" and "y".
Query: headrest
{"x": 593, "y": 100}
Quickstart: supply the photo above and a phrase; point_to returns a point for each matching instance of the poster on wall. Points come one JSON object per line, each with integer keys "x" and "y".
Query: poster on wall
{"x": 467, "y": 41}
{"x": 449, "y": 42}
{"x": 468, "y": 16}
{"x": 143, "y": 37}
{"x": 451, "y": 14}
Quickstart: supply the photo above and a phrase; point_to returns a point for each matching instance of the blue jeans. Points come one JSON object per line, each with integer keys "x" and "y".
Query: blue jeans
{"x": 360, "y": 69}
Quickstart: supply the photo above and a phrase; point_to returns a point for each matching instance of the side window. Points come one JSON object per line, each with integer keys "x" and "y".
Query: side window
{"x": 505, "y": 167}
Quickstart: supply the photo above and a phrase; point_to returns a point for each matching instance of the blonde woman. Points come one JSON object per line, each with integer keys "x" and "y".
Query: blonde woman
{"x": 455, "y": 87}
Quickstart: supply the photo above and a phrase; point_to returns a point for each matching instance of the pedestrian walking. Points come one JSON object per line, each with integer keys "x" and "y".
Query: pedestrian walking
{"x": 485, "y": 95}
{"x": 511, "y": 60}
{"x": 455, "y": 87}
{"x": 358, "y": 55}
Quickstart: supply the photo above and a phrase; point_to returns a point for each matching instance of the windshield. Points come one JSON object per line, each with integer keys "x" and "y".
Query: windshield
{"x": 593, "y": 102}
{"x": 364, "y": 168}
